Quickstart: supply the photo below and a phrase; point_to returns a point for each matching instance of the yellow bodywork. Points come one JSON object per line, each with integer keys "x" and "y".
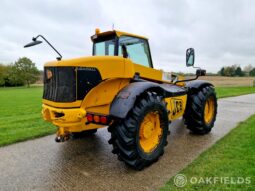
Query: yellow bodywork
{"x": 116, "y": 73}
{"x": 176, "y": 106}
{"x": 98, "y": 100}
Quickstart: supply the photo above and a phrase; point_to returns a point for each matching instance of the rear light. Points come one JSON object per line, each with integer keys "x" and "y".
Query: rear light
{"x": 89, "y": 117}
{"x": 100, "y": 119}
{"x": 96, "y": 118}
{"x": 103, "y": 119}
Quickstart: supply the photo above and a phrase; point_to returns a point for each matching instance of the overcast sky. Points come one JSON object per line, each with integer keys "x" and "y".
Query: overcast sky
{"x": 222, "y": 32}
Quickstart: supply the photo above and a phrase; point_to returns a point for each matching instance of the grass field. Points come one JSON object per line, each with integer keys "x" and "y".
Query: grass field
{"x": 233, "y": 91}
{"x": 231, "y": 157}
{"x": 221, "y": 81}
{"x": 20, "y": 115}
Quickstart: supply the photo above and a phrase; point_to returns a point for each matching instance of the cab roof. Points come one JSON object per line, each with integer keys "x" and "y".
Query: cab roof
{"x": 118, "y": 33}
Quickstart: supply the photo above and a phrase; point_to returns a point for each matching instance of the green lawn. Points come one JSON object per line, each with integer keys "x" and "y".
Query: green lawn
{"x": 233, "y": 91}
{"x": 20, "y": 115}
{"x": 232, "y": 156}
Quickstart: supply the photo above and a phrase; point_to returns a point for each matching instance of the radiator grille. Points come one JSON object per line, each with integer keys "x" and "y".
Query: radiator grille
{"x": 60, "y": 83}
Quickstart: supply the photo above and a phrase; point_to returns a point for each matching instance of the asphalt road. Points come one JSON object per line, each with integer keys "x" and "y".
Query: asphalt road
{"x": 88, "y": 164}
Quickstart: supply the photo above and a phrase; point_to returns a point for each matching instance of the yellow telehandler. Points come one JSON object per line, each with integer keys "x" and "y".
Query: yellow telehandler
{"x": 118, "y": 87}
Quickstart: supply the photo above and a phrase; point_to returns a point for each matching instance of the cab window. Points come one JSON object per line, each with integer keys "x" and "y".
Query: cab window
{"x": 135, "y": 49}
{"x": 104, "y": 46}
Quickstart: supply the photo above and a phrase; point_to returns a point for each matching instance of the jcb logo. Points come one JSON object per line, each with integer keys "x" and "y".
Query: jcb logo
{"x": 177, "y": 106}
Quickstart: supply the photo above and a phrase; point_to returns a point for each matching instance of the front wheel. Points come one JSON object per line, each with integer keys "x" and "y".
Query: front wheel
{"x": 201, "y": 110}
{"x": 140, "y": 138}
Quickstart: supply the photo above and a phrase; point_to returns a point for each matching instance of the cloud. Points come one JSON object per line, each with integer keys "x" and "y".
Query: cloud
{"x": 222, "y": 32}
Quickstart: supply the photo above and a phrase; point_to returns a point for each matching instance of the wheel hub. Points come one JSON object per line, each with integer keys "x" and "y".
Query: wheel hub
{"x": 150, "y": 132}
{"x": 147, "y": 130}
{"x": 209, "y": 110}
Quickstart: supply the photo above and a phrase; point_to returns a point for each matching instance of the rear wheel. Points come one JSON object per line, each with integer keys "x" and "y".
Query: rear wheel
{"x": 201, "y": 110}
{"x": 139, "y": 139}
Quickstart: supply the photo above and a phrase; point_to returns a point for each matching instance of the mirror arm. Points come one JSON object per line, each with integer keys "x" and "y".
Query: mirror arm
{"x": 187, "y": 80}
{"x": 60, "y": 56}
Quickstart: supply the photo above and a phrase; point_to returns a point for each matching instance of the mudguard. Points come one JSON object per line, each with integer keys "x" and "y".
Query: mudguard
{"x": 126, "y": 98}
{"x": 195, "y": 85}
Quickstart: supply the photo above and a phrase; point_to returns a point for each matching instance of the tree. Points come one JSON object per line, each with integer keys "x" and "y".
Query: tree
{"x": 230, "y": 70}
{"x": 13, "y": 77}
{"x": 222, "y": 71}
{"x": 239, "y": 72}
{"x": 252, "y": 72}
{"x": 25, "y": 71}
{"x": 2, "y": 74}
{"x": 248, "y": 68}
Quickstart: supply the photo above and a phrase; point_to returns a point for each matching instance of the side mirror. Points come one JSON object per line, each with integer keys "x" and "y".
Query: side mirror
{"x": 190, "y": 57}
{"x": 201, "y": 72}
{"x": 33, "y": 43}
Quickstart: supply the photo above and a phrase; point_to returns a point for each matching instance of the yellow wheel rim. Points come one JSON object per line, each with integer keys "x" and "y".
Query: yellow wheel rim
{"x": 150, "y": 132}
{"x": 209, "y": 110}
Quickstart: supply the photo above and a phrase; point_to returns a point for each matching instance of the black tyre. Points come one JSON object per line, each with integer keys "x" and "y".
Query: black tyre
{"x": 201, "y": 110}
{"x": 140, "y": 138}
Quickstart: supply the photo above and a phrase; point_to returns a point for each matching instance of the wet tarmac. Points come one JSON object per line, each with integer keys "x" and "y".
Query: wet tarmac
{"x": 88, "y": 164}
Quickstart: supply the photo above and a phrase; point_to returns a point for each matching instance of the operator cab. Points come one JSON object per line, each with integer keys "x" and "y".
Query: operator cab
{"x": 116, "y": 43}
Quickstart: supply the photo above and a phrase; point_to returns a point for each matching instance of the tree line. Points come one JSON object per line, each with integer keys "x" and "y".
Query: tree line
{"x": 20, "y": 73}
{"x": 235, "y": 70}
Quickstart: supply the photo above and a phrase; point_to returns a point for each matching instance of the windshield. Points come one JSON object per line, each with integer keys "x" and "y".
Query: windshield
{"x": 104, "y": 46}
{"x": 136, "y": 49}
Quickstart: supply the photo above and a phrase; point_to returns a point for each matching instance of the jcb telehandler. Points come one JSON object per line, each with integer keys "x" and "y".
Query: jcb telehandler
{"x": 118, "y": 87}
